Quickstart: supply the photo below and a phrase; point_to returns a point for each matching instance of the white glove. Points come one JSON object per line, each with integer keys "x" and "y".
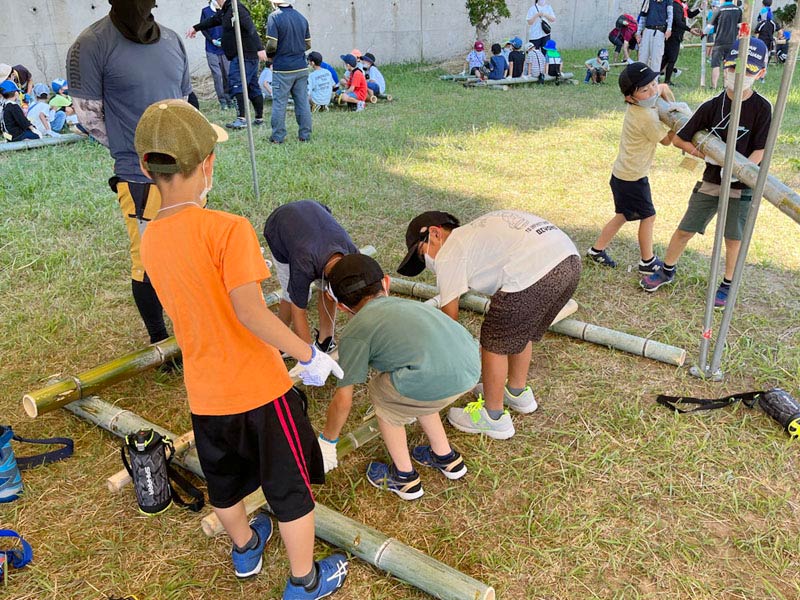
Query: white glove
{"x": 217, "y": 42}
{"x": 329, "y": 458}
{"x": 316, "y": 370}
{"x": 52, "y": 134}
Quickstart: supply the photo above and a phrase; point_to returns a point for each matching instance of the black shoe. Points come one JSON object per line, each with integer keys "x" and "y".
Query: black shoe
{"x": 258, "y": 122}
{"x": 327, "y": 345}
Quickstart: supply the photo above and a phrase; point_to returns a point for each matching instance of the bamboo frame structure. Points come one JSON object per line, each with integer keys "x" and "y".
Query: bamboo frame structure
{"x": 67, "y": 138}
{"x": 583, "y": 331}
{"x": 779, "y": 194}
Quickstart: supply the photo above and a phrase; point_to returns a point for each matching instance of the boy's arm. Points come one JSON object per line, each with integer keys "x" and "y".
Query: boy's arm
{"x": 687, "y": 147}
{"x": 667, "y": 139}
{"x": 300, "y": 323}
{"x": 248, "y": 304}
{"x": 451, "y": 309}
{"x": 338, "y": 411}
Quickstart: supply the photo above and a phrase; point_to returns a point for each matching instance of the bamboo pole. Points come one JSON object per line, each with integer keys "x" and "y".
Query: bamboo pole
{"x": 570, "y": 327}
{"x": 67, "y": 138}
{"x": 69, "y": 389}
{"x": 779, "y": 194}
{"x": 405, "y": 563}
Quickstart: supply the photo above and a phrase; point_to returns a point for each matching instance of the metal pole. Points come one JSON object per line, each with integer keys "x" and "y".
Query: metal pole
{"x": 747, "y": 234}
{"x": 238, "y": 29}
{"x": 724, "y": 198}
{"x": 703, "y": 43}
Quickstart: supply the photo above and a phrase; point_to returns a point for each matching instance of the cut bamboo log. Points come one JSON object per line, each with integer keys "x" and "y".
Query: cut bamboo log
{"x": 405, "y": 563}
{"x": 583, "y": 331}
{"x": 509, "y": 81}
{"x": 347, "y": 443}
{"x": 775, "y": 191}
{"x": 457, "y": 77}
{"x": 67, "y": 138}
{"x": 90, "y": 382}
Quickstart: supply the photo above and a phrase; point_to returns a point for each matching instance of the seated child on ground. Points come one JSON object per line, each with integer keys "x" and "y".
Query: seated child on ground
{"x": 356, "y": 92}
{"x": 597, "y": 68}
{"x": 498, "y": 67}
{"x": 516, "y": 58}
{"x": 475, "y": 61}
{"x": 320, "y": 83}
{"x": 553, "y": 58}
{"x": 334, "y": 75}
{"x": 16, "y": 126}
{"x": 250, "y": 423}
{"x": 61, "y": 90}
{"x": 425, "y": 361}
{"x": 375, "y": 81}
{"x": 265, "y": 80}
{"x": 535, "y": 62}
{"x": 48, "y": 120}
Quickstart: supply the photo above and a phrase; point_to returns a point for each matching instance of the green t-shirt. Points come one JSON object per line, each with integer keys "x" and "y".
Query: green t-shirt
{"x": 429, "y": 355}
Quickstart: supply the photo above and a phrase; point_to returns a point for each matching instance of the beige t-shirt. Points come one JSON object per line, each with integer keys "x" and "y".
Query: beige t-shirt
{"x": 641, "y": 133}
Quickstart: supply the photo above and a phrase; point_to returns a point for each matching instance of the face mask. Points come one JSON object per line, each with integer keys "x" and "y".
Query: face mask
{"x": 730, "y": 81}
{"x": 208, "y": 185}
{"x": 648, "y": 102}
{"x": 134, "y": 21}
{"x": 430, "y": 263}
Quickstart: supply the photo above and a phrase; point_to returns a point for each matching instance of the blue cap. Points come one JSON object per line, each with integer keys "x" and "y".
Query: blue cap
{"x": 550, "y": 45}
{"x": 57, "y": 84}
{"x": 40, "y": 90}
{"x": 349, "y": 59}
{"x": 8, "y": 86}
{"x": 757, "y": 56}
{"x": 516, "y": 42}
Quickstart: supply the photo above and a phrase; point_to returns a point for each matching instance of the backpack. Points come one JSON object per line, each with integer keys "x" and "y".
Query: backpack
{"x": 10, "y": 465}
{"x": 152, "y": 475}
{"x": 554, "y": 64}
{"x": 621, "y": 23}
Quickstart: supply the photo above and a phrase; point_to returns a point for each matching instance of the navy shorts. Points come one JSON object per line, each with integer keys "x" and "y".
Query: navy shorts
{"x": 272, "y": 446}
{"x": 632, "y": 199}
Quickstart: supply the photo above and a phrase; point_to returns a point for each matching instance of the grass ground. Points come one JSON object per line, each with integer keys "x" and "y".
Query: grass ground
{"x": 601, "y": 494}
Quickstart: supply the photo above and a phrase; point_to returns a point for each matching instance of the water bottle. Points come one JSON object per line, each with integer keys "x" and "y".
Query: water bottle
{"x": 781, "y": 406}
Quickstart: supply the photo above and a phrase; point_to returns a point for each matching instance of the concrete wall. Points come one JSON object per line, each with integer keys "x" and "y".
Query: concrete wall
{"x": 37, "y": 33}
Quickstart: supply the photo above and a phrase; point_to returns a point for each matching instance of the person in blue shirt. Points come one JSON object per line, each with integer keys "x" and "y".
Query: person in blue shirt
{"x": 288, "y": 38}
{"x": 498, "y": 64}
{"x": 215, "y": 56}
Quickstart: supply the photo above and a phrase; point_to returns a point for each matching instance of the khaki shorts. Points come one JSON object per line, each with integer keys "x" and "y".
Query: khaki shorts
{"x": 398, "y": 410}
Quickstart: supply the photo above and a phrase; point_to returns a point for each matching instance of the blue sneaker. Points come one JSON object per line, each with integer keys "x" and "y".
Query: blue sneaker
{"x": 332, "y": 571}
{"x": 385, "y": 477}
{"x": 651, "y": 267}
{"x": 601, "y": 258}
{"x": 652, "y": 282}
{"x": 721, "y": 299}
{"x": 452, "y": 468}
{"x": 248, "y": 563}
{"x": 10, "y": 477}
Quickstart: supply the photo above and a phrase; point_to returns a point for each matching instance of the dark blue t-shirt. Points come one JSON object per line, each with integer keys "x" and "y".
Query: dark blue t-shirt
{"x": 215, "y": 33}
{"x": 499, "y": 65}
{"x": 304, "y": 235}
{"x": 290, "y": 29}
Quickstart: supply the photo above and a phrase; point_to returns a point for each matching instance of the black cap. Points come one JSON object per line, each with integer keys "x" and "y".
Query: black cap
{"x": 635, "y": 76}
{"x": 315, "y": 57}
{"x": 352, "y": 273}
{"x": 349, "y": 59}
{"x": 417, "y": 231}
{"x": 370, "y": 57}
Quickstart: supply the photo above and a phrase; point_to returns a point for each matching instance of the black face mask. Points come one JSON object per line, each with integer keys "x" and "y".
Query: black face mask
{"x": 133, "y": 20}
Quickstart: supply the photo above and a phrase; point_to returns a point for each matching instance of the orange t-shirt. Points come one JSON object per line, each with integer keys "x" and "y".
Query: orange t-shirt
{"x": 359, "y": 83}
{"x": 194, "y": 258}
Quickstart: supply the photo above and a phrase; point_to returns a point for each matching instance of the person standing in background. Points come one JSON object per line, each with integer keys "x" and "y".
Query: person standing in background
{"x": 655, "y": 28}
{"x": 215, "y": 56}
{"x": 540, "y": 17}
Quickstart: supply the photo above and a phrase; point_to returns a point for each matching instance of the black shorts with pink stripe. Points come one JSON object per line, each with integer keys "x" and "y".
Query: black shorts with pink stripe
{"x": 272, "y": 446}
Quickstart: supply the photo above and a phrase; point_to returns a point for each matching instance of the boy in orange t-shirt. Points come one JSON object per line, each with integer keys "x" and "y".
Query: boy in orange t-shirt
{"x": 356, "y": 93}
{"x": 250, "y": 424}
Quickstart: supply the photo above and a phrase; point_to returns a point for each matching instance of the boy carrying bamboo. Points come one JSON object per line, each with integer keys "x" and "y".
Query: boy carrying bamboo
{"x": 250, "y": 424}
{"x": 424, "y": 362}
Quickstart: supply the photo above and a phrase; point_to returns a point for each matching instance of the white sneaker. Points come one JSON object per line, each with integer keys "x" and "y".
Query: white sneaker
{"x": 473, "y": 418}
{"x": 525, "y": 403}
{"x": 360, "y": 105}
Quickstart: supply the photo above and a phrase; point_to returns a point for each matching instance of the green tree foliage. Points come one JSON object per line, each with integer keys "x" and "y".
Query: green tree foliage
{"x": 786, "y": 15}
{"x": 483, "y": 13}
{"x": 259, "y": 11}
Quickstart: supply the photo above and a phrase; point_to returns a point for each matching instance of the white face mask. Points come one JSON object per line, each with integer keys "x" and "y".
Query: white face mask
{"x": 730, "y": 81}
{"x": 208, "y": 184}
{"x": 648, "y": 102}
{"x": 430, "y": 263}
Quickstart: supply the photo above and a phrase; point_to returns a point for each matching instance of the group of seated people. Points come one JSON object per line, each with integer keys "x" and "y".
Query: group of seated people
{"x": 361, "y": 81}
{"x": 28, "y": 111}
{"x": 514, "y": 60}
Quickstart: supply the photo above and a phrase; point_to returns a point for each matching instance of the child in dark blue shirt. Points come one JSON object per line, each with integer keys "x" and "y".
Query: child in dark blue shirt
{"x": 498, "y": 65}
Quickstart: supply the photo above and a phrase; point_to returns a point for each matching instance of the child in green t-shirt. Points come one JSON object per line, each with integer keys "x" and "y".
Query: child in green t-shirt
{"x": 425, "y": 361}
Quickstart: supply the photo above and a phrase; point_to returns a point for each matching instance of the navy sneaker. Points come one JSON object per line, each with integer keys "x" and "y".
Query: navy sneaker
{"x": 652, "y": 282}
{"x": 10, "y": 477}
{"x": 452, "y": 468}
{"x": 248, "y": 563}
{"x": 239, "y": 123}
{"x": 601, "y": 258}
{"x": 385, "y": 477}
{"x": 331, "y": 573}
{"x": 721, "y": 299}
{"x": 651, "y": 267}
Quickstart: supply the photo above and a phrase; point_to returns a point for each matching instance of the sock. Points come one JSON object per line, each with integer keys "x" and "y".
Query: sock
{"x": 239, "y": 105}
{"x": 494, "y": 414}
{"x": 309, "y": 581}
{"x": 150, "y": 310}
{"x": 250, "y": 545}
{"x": 726, "y": 282}
{"x": 668, "y": 268}
{"x": 644, "y": 262}
{"x": 258, "y": 104}
{"x": 515, "y": 391}
{"x": 594, "y": 250}
{"x": 444, "y": 457}
{"x": 404, "y": 474}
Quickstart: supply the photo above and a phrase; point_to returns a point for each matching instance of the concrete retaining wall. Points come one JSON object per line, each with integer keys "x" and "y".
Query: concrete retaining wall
{"x": 37, "y": 33}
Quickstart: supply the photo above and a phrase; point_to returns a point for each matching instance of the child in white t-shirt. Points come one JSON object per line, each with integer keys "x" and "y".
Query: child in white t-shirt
{"x": 46, "y": 119}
